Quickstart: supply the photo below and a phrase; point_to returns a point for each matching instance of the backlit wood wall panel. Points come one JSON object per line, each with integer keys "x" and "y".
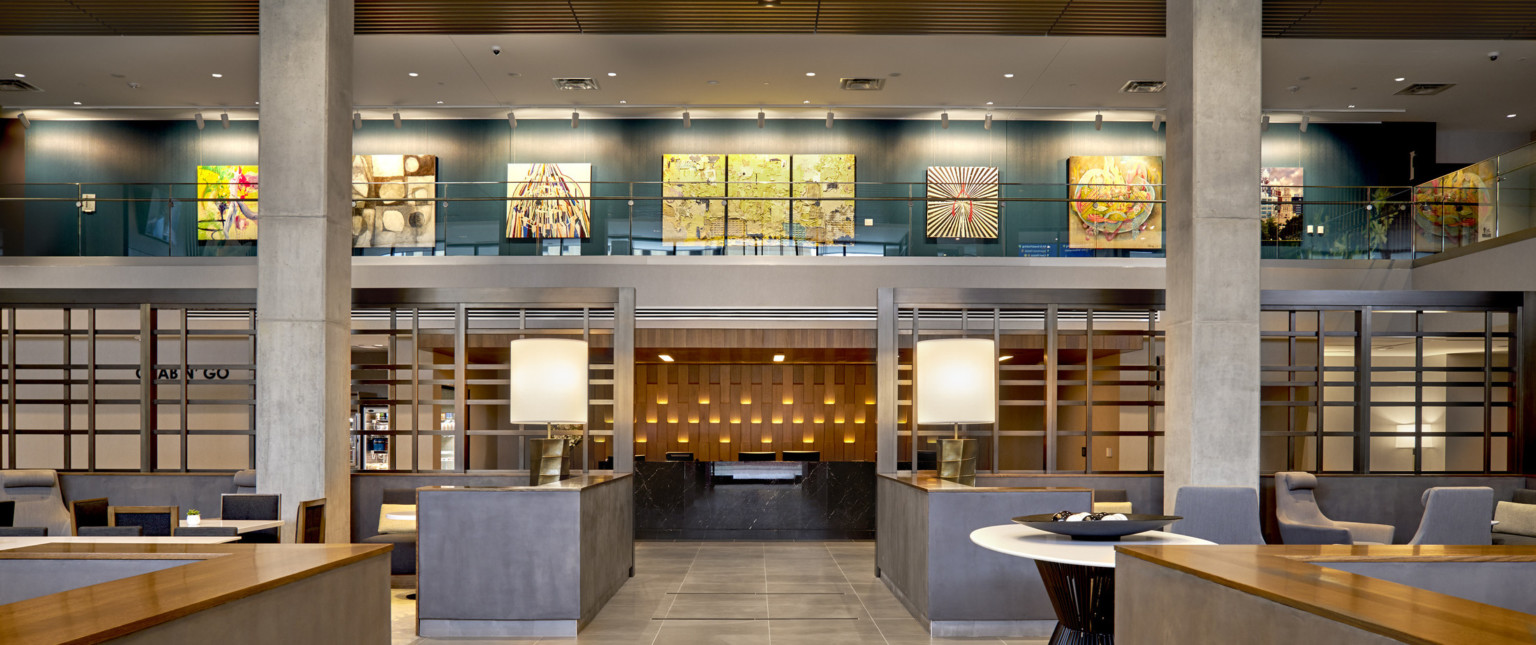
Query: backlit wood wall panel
{"x": 716, "y": 411}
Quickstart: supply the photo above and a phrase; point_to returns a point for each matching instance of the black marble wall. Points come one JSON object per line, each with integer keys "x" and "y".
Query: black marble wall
{"x": 682, "y": 500}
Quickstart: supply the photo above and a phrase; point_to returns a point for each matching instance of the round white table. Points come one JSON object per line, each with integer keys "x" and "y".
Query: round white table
{"x": 1079, "y": 575}
{"x": 402, "y": 515}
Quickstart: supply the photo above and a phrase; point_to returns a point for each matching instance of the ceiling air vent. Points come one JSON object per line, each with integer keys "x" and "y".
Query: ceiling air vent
{"x": 1142, "y": 87}
{"x": 16, "y": 85}
{"x": 862, "y": 84}
{"x": 1425, "y": 89}
{"x": 573, "y": 84}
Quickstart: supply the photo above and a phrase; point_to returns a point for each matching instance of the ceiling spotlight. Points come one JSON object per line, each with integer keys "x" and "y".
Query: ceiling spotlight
{"x": 1264, "y": 123}
{"x": 218, "y": 76}
{"x": 25, "y": 122}
{"x": 357, "y": 120}
{"x": 512, "y": 120}
{"x": 986, "y": 123}
{"x": 623, "y": 102}
{"x": 778, "y": 358}
{"x": 944, "y": 120}
{"x": 575, "y": 119}
{"x": 199, "y": 119}
{"x": 1305, "y": 119}
{"x": 1400, "y": 79}
{"x": 413, "y": 74}
{"x": 397, "y": 119}
{"x": 1351, "y": 107}
{"x": 1157, "y": 121}
{"x": 77, "y": 102}
{"x": 19, "y": 75}
{"x": 1098, "y": 121}
{"x": 761, "y": 119}
{"x": 1510, "y": 116}
{"x": 687, "y": 119}
{"x": 1008, "y": 75}
{"x": 224, "y": 119}
{"x": 613, "y": 73}
{"x": 989, "y": 102}
{"x": 829, "y": 119}
{"x": 665, "y": 357}
{"x": 810, "y": 73}
{"x": 439, "y": 102}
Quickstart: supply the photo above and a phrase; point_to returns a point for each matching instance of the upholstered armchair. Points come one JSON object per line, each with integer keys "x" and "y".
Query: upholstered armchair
{"x": 39, "y": 501}
{"x": 1456, "y": 515}
{"x": 1302, "y": 522}
{"x": 1221, "y": 514}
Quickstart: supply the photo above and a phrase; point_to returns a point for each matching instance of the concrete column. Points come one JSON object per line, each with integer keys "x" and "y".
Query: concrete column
{"x": 1212, "y": 216}
{"x": 304, "y": 267}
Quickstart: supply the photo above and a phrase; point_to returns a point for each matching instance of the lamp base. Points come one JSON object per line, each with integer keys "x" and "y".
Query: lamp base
{"x": 957, "y": 461}
{"x": 548, "y": 461}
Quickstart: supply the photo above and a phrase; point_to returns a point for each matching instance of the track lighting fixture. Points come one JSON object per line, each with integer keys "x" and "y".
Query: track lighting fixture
{"x": 199, "y": 119}
{"x": 687, "y": 120}
{"x": 1098, "y": 121}
{"x": 1264, "y": 123}
{"x": 397, "y": 119}
{"x": 1305, "y": 119}
{"x": 761, "y": 119}
{"x": 944, "y": 120}
{"x": 25, "y": 122}
{"x": 357, "y": 120}
{"x": 512, "y": 120}
{"x": 1157, "y": 121}
{"x": 575, "y": 119}
{"x": 224, "y": 119}
{"x": 829, "y": 120}
{"x": 987, "y": 122}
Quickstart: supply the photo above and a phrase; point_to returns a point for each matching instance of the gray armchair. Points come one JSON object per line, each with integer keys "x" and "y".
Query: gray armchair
{"x": 39, "y": 501}
{"x": 1302, "y": 522}
{"x": 1456, "y": 515}
{"x": 1221, "y": 514}
{"x": 245, "y": 482}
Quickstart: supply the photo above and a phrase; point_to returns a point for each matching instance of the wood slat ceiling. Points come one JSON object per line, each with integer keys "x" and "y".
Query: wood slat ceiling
{"x": 1416, "y": 19}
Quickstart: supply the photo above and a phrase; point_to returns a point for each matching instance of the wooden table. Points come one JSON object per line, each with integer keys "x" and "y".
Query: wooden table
{"x": 241, "y": 526}
{"x": 19, "y": 542}
{"x": 1079, "y": 575}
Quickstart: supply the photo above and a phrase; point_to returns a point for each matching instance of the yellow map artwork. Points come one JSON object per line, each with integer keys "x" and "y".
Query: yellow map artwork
{"x": 765, "y": 216}
{"x": 827, "y": 217}
{"x": 693, "y": 213}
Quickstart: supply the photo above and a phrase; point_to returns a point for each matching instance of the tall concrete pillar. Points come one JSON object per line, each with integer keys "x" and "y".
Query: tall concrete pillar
{"x": 1212, "y": 216}
{"x": 304, "y": 275}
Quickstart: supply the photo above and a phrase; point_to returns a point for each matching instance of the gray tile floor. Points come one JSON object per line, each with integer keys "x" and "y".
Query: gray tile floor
{"x": 739, "y": 593}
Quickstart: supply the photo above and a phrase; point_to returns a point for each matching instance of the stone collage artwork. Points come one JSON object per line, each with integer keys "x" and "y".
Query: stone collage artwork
{"x": 394, "y": 201}
{"x": 760, "y": 210}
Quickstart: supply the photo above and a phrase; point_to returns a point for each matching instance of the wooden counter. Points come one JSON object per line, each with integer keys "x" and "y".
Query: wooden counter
{"x": 219, "y": 575}
{"x": 1314, "y": 591}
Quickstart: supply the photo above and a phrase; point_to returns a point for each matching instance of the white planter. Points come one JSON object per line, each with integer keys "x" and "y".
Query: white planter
{"x": 194, "y": 520}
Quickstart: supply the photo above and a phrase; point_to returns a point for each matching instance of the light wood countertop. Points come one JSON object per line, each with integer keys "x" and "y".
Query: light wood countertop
{"x": 572, "y": 484}
{"x": 223, "y": 573}
{"x": 933, "y": 484}
{"x": 1298, "y": 576}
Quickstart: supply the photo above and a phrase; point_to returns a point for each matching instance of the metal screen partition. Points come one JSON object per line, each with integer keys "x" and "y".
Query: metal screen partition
{"x": 1079, "y": 385}
{"x": 430, "y": 376}
{"x": 82, "y": 391}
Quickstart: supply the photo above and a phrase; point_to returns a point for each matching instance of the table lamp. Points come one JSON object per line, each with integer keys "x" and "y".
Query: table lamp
{"x": 548, "y": 385}
{"x": 956, "y": 381}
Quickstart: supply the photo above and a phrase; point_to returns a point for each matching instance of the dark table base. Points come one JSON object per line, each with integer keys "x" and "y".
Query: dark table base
{"x": 1084, "y": 599}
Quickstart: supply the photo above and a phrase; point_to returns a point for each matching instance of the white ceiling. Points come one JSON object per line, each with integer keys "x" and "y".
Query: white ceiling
{"x": 658, "y": 74}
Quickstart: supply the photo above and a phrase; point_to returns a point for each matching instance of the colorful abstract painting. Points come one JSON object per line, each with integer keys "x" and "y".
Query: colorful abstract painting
{"x": 394, "y": 201}
{"x": 1114, "y": 202}
{"x": 761, "y": 215}
{"x": 226, "y": 209}
{"x": 962, "y": 202}
{"x": 693, "y": 211}
{"x": 1280, "y": 192}
{"x": 824, "y": 188}
{"x": 549, "y": 200}
{"x": 1456, "y": 209}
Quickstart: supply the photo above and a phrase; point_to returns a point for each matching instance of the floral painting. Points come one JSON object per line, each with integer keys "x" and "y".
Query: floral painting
{"x": 226, "y": 207}
{"x": 1115, "y": 202}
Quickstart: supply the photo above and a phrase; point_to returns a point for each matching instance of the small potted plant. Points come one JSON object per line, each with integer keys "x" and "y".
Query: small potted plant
{"x": 194, "y": 517}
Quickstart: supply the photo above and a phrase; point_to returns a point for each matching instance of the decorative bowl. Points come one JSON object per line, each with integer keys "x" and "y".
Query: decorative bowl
{"x": 1100, "y": 531}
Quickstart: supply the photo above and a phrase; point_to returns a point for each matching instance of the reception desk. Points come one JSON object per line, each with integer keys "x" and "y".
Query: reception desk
{"x": 755, "y": 500}
{"x": 521, "y": 561}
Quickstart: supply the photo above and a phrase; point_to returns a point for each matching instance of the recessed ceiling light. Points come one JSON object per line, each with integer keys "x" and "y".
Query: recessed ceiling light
{"x": 439, "y": 102}
{"x": 21, "y": 75}
{"x": 1510, "y": 116}
{"x": 810, "y": 73}
{"x": 805, "y": 101}
{"x": 778, "y": 358}
{"x": 1003, "y": 358}
{"x": 1351, "y": 107}
{"x": 77, "y": 103}
{"x": 665, "y": 357}
{"x": 989, "y": 102}
{"x": 1400, "y": 79}
{"x": 1008, "y": 75}
{"x": 218, "y": 76}
{"x": 711, "y": 82}
{"x": 623, "y": 102}
{"x": 613, "y": 73}
{"x": 413, "y": 74}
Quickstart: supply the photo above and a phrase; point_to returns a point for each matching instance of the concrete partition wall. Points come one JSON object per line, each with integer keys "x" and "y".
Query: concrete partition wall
{"x": 924, "y": 554}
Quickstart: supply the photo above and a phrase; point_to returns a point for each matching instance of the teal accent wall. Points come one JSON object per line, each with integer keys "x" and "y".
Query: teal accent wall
{"x": 157, "y": 154}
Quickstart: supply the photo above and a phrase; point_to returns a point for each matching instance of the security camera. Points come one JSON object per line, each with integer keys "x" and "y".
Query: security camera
{"x": 495, "y": 50}
{"x": 1493, "y": 55}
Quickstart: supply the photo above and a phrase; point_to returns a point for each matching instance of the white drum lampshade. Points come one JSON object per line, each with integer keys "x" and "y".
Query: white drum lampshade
{"x": 956, "y": 381}
{"x": 548, "y": 380}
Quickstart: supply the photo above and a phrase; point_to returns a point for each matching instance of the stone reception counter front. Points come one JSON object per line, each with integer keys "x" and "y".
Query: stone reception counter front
{"x": 761, "y": 500}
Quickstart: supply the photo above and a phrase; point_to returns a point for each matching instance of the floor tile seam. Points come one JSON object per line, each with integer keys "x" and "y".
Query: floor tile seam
{"x": 871, "y": 616}
{"x": 673, "y": 600}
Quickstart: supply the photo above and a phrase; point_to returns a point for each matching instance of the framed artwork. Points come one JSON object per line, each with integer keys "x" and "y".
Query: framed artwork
{"x": 1280, "y": 192}
{"x": 1112, "y": 205}
{"x": 962, "y": 202}
{"x": 764, "y": 217}
{"x": 1455, "y": 209}
{"x": 693, "y": 211}
{"x": 825, "y": 190}
{"x": 231, "y": 213}
{"x": 394, "y": 201}
{"x": 549, "y": 200}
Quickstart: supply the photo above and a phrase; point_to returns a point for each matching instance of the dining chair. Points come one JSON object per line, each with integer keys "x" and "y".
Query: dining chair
{"x": 156, "y": 520}
{"x": 23, "y": 531}
{"x": 1220, "y": 514}
{"x": 310, "y": 522}
{"x": 206, "y": 531}
{"x": 126, "y": 530}
{"x": 252, "y": 506}
{"x": 88, "y": 513}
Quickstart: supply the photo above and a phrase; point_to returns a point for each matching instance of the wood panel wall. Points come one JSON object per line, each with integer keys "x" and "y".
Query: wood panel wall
{"x": 716, "y": 411}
